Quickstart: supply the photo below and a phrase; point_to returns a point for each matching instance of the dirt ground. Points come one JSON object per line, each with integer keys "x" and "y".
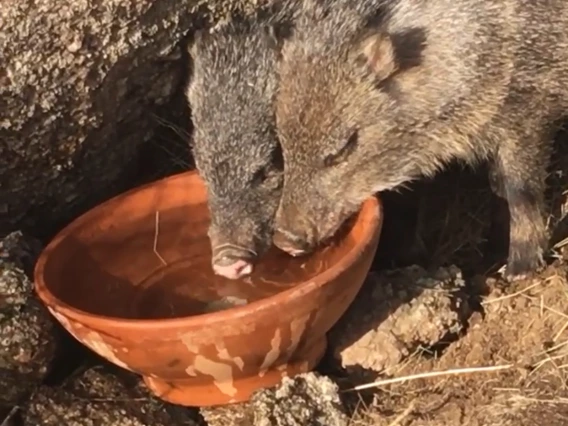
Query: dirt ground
{"x": 519, "y": 331}
{"x": 509, "y": 366}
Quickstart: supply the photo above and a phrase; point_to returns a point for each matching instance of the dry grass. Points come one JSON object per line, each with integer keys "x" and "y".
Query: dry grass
{"x": 453, "y": 217}
{"x": 432, "y": 374}
{"x": 10, "y": 416}
{"x": 427, "y": 392}
{"x": 367, "y": 416}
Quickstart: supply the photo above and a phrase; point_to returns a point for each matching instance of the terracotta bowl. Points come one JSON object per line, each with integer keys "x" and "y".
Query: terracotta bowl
{"x": 132, "y": 280}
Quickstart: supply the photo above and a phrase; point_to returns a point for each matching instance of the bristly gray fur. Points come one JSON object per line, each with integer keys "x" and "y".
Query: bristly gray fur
{"x": 373, "y": 96}
{"x": 231, "y": 95}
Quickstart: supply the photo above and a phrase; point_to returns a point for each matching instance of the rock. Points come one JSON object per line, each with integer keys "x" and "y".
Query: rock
{"x": 229, "y": 415}
{"x": 21, "y": 250}
{"x": 397, "y": 312}
{"x": 27, "y": 332}
{"x": 98, "y": 398}
{"x": 27, "y": 348}
{"x": 79, "y": 82}
{"x": 17, "y": 258}
{"x": 305, "y": 400}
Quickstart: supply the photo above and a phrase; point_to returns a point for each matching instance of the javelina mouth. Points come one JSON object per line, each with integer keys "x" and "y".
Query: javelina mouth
{"x": 234, "y": 271}
{"x": 296, "y": 252}
{"x": 291, "y": 243}
{"x": 227, "y": 254}
{"x": 232, "y": 261}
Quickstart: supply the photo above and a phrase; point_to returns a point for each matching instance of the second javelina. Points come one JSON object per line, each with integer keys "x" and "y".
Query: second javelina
{"x": 235, "y": 147}
{"x": 367, "y": 103}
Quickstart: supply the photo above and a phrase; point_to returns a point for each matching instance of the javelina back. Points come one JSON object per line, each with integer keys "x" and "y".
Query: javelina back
{"x": 372, "y": 99}
{"x": 235, "y": 147}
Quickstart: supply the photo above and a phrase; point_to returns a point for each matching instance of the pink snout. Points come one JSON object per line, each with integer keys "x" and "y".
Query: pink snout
{"x": 234, "y": 271}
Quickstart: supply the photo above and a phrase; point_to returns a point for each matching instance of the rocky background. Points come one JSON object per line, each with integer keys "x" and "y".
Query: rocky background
{"x": 84, "y": 88}
{"x": 92, "y": 104}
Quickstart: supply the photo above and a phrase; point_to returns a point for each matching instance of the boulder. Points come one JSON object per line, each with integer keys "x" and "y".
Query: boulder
{"x": 80, "y": 84}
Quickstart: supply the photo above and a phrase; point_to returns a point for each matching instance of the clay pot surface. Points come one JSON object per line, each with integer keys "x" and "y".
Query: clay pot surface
{"x": 132, "y": 280}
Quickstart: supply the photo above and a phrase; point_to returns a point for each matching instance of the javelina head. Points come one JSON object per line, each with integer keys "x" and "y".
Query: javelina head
{"x": 336, "y": 117}
{"x": 235, "y": 146}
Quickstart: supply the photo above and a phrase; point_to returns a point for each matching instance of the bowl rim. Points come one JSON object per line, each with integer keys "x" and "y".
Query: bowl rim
{"x": 372, "y": 208}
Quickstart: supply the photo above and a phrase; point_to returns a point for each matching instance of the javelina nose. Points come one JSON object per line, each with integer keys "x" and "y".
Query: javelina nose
{"x": 232, "y": 262}
{"x": 294, "y": 245}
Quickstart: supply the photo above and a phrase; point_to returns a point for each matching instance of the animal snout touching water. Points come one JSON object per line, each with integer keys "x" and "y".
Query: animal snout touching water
{"x": 232, "y": 261}
{"x": 297, "y": 233}
{"x": 235, "y": 146}
{"x": 294, "y": 245}
{"x": 237, "y": 244}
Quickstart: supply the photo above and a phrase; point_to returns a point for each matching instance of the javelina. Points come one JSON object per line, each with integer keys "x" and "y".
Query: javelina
{"x": 235, "y": 147}
{"x": 370, "y": 101}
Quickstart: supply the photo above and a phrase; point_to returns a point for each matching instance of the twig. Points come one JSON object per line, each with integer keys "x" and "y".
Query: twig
{"x": 556, "y": 401}
{"x": 561, "y": 244}
{"x": 9, "y": 416}
{"x": 509, "y": 296}
{"x": 156, "y": 233}
{"x": 432, "y": 374}
{"x": 548, "y": 308}
{"x": 506, "y": 389}
{"x": 403, "y": 415}
{"x": 553, "y": 348}
{"x": 560, "y": 332}
{"x": 546, "y": 360}
{"x": 107, "y": 400}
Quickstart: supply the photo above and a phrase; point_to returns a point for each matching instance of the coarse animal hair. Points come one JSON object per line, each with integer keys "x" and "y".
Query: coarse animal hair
{"x": 376, "y": 94}
{"x": 235, "y": 146}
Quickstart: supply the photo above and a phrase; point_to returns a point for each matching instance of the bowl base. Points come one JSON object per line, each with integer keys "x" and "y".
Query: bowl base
{"x": 192, "y": 394}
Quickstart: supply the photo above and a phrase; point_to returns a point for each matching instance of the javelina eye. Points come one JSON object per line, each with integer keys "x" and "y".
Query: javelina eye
{"x": 339, "y": 156}
{"x": 271, "y": 172}
{"x": 268, "y": 177}
{"x": 259, "y": 176}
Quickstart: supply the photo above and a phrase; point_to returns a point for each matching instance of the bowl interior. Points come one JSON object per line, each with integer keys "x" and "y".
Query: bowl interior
{"x": 146, "y": 255}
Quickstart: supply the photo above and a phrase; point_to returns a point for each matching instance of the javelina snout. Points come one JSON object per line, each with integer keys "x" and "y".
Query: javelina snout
{"x": 302, "y": 224}
{"x": 237, "y": 244}
{"x": 294, "y": 233}
{"x": 242, "y": 210}
{"x": 235, "y": 146}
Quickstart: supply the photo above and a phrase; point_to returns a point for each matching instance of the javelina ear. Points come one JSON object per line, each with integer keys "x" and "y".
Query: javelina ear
{"x": 378, "y": 52}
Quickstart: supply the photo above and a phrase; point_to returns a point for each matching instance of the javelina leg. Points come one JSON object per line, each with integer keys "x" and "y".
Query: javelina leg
{"x": 519, "y": 173}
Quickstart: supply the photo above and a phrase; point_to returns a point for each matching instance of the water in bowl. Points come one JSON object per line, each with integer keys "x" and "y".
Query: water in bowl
{"x": 130, "y": 270}
{"x": 189, "y": 286}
